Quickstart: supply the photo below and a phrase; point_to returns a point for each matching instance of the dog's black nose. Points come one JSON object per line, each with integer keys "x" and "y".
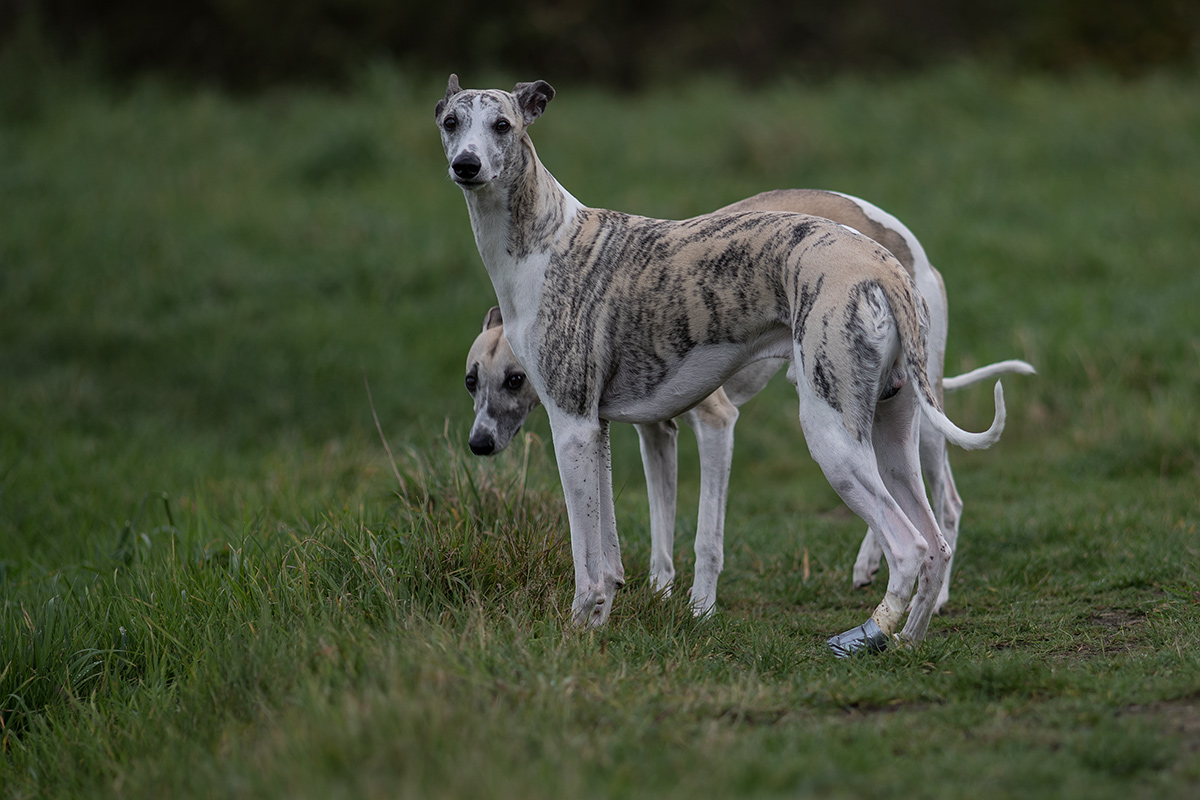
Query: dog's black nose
{"x": 482, "y": 444}
{"x": 466, "y": 166}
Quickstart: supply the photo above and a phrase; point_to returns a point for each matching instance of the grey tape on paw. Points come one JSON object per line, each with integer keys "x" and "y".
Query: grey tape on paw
{"x": 866, "y": 637}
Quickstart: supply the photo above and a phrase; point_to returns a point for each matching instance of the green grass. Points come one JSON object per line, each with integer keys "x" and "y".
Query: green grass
{"x": 213, "y": 584}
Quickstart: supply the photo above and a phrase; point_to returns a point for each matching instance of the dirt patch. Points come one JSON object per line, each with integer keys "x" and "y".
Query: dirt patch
{"x": 1109, "y": 632}
{"x": 1117, "y": 618}
{"x": 756, "y": 717}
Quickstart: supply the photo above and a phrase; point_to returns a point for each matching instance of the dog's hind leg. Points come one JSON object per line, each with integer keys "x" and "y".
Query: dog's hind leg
{"x": 894, "y": 435}
{"x": 947, "y": 508}
{"x": 581, "y": 446}
{"x": 947, "y": 503}
{"x": 658, "y": 442}
{"x": 852, "y": 470}
{"x": 712, "y": 420}
{"x": 866, "y": 564}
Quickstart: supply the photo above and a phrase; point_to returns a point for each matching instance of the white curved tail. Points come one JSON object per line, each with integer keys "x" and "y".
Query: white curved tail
{"x": 956, "y": 435}
{"x": 957, "y": 382}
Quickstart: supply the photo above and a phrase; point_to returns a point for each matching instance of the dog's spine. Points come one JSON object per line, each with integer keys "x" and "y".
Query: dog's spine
{"x": 904, "y": 300}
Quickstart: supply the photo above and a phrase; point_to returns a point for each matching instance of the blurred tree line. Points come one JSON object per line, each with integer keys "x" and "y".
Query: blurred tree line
{"x": 625, "y": 43}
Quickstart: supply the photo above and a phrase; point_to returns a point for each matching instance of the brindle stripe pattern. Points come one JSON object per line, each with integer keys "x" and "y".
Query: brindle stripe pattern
{"x": 532, "y": 222}
{"x": 663, "y": 288}
{"x": 659, "y": 288}
{"x": 843, "y": 209}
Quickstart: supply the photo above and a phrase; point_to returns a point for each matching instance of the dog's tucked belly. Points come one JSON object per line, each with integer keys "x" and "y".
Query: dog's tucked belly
{"x": 697, "y": 375}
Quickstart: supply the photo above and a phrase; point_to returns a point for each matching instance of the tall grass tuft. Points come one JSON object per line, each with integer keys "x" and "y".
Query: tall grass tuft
{"x": 462, "y": 535}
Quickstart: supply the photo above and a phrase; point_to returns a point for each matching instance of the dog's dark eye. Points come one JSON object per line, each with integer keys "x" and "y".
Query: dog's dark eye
{"x": 502, "y": 126}
{"x": 472, "y": 383}
{"x": 450, "y": 123}
{"x": 514, "y": 382}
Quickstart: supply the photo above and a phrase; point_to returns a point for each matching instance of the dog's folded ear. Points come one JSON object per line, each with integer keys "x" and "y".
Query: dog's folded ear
{"x": 532, "y": 98}
{"x": 452, "y": 88}
{"x": 492, "y": 318}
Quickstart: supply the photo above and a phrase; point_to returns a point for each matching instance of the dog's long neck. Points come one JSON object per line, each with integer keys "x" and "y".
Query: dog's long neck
{"x": 517, "y": 220}
{"x": 522, "y": 213}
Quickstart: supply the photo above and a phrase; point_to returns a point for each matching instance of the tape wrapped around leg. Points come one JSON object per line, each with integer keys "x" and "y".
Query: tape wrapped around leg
{"x": 866, "y": 637}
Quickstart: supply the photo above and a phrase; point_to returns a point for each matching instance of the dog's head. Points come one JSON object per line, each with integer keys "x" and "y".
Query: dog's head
{"x": 503, "y": 395}
{"x": 482, "y": 128}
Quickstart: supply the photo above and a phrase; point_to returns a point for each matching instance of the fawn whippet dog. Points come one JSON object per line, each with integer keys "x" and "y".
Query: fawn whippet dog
{"x": 629, "y": 319}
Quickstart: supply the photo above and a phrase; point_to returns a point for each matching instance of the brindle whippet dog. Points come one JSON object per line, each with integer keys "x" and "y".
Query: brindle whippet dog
{"x": 629, "y": 319}
{"x": 503, "y": 398}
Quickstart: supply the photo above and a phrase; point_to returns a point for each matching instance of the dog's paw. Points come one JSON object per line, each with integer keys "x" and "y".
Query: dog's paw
{"x": 941, "y": 603}
{"x": 870, "y": 556}
{"x": 703, "y": 598}
{"x": 863, "y": 577}
{"x": 591, "y": 608}
{"x": 703, "y": 609}
{"x": 866, "y": 638}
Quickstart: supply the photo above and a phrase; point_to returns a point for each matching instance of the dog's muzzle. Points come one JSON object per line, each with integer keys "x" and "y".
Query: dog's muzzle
{"x": 482, "y": 443}
{"x": 466, "y": 166}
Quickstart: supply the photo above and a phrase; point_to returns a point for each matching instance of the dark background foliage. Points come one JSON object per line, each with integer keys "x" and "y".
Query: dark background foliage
{"x": 247, "y": 44}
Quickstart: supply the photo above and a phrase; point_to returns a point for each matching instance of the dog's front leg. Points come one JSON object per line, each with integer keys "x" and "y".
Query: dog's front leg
{"x": 658, "y": 442}
{"x": 609, "y": 541}
{"x": 582, "y": 448}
